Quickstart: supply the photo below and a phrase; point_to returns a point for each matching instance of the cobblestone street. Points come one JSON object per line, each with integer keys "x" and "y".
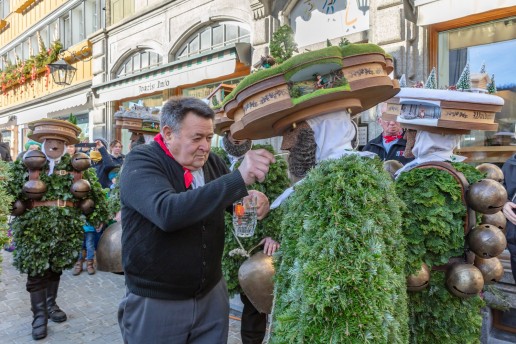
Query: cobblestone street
{"x": 90, "y": 303}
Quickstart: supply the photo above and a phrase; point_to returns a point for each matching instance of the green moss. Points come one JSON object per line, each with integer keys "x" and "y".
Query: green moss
{"x": 361, "y": 48}
{"x": 340, "y": 277}
{"x": 320, "y": 92}
{"x": 251, "y": 79}
{"x": 290, "y": 66}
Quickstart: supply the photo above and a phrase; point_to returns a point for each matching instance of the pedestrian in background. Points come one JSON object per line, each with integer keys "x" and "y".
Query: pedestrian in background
{"x": 29, "y": 145}
{"x": 172, "y": 242}
{"x": 390, "y": 144}
{"x": 5, "y": 150}
{"x": 115, "y": 148}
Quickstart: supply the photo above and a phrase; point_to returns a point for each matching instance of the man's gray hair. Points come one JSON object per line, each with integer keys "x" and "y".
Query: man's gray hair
{"x": 175, "y": 110}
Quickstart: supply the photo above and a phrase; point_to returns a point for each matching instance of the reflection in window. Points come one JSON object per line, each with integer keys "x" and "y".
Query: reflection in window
{"x": 139, "y": 61}
{"x": 488, "y": 43}
{"x": 213, "y": 37}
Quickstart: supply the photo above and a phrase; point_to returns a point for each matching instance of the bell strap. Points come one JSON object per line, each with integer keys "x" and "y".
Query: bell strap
{"x": 76, "y": 175}
{"x": 55, "y": 203}
{"x": 34, "y": 174}
{"x": 469, "y": 218}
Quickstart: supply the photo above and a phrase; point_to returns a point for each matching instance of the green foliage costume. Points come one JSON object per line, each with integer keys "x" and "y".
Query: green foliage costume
{"x": 434, "y": 229}
{"x": 273, "y": 185}
{"x": 5, "y": 202}
{"x": 51, "y": 237}
{"x": 342, "y": 258}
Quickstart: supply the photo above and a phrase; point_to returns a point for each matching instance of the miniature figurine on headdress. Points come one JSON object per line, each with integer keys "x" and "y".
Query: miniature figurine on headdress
{"x": 55, "y": 195}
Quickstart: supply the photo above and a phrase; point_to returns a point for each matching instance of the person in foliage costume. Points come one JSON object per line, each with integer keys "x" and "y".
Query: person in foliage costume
{"x": 440, "y": 192}
{"x": 253, "y": 323}
{"x": 339, "y": 274}
{"x": 340, "y": 277}
{"x": 55, "y": 195}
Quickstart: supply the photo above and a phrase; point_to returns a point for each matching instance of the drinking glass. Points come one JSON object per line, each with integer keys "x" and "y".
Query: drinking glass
{"x": 244, "y": 216}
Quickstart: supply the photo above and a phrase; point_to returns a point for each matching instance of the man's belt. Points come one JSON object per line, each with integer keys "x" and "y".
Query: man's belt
{"x": 56, "y": 203}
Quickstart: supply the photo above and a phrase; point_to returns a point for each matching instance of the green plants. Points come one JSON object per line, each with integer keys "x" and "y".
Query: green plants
{"x": 340, "y": 277}
{"x": 5, "y": 203}
{"x": 434, "y": 230}
{"x": 282, "y": 44}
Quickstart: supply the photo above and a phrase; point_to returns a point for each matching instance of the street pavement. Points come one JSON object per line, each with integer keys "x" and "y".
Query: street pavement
{"x": 90, "y": 302}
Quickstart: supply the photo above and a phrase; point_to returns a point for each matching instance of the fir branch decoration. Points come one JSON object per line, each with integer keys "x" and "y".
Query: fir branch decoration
{"x": 437, "y": 316}
{"x": 282, "y": 44}
{"x": 434, "y": 230}
{"x": 5, "y": 202}
{"x": 273, "y": 185}
{"x": 51, "y": 237}
{"x": 341, "y": 277}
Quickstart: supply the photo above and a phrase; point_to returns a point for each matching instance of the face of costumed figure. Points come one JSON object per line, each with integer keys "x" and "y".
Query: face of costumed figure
{"x": 54, "y": 149}
{"x": 191, "y": 145}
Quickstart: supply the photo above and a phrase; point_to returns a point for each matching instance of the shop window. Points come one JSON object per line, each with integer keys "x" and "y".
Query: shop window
{"x": 491, "y": 43}
{"x": 139, "y": 61}
{"x": 213, "y": 37}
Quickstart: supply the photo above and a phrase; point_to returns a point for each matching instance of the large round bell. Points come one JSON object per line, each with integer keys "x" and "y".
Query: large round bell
{"x": 80, "y": 188}
{"x": 486, "y": 241}
{"x": 255, "y": 277}
{"x": 87, "y": 206}
{"x": 18, "y": 208}
{"x": 392, "y": 166}
{"x": 34, "y": 159}
{"x": 34, "y": 189}
{"x": 81, "y": 162}
{"x": 491, "y": 269}
{"x": 486, "y": 196}
{"x": 109, "y": 250}
{"x": 464, "y": 280}
{"x": 419, "y": 280}
{"x": 497, "y": 219}
{"x": 492, "y": 171}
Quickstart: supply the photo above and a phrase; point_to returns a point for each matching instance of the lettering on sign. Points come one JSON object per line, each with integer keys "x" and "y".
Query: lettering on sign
{"x": 264, "y": 98}
{"x": 468, "y": 115}
{"x": 153, "y": 86}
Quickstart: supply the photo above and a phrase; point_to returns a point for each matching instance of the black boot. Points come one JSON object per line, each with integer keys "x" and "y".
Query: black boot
{"x": 54, "y": 312}
{"x": 38, "y": 301}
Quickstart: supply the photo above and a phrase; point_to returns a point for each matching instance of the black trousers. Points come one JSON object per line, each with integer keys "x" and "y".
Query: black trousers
{"x": 35, "y": 283}
{"x": 253, "y": 324}
{"x": 512, "y": 251}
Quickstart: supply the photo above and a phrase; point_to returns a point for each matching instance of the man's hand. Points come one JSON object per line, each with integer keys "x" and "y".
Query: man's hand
{"x": 269, "y": 246}
{"x": 99, "y": 144}
{"x": 99, "y": 228}
{"x": 255, "y": 165}
{"x": 508, "y": 211}
{"x": 262, "y": 203}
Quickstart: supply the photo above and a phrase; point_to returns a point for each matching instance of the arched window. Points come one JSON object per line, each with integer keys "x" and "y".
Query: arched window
{"x": 139, "y": 61}
{"x": 213, "y": 37}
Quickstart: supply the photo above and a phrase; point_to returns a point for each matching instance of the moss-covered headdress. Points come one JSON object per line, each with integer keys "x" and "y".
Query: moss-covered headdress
{"x": 352, "y": 78}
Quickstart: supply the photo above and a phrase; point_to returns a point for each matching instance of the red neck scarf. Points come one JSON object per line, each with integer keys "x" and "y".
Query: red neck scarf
{"x": 390, "y": 138}
{"x": 188, "y": 177}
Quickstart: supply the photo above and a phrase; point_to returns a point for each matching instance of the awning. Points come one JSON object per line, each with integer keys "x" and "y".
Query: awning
{"x": 167, "y": 77}
{"x": 438, "y": 11}
{"x": 39, "y": 111}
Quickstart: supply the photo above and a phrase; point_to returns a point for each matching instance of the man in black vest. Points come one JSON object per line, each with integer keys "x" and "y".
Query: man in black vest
{"x": 174, "y": 194}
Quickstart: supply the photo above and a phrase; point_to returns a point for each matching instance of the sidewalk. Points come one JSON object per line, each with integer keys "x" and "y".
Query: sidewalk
{"x": 91, "y": 303}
